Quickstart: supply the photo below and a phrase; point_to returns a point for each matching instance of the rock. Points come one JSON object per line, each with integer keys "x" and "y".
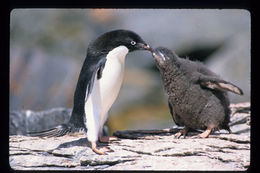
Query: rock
{"x": 138, "y": 150}
{"x": 22, "y": 122}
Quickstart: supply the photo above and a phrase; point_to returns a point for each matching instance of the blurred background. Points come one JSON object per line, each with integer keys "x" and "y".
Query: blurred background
{"x": 48, "y": 47}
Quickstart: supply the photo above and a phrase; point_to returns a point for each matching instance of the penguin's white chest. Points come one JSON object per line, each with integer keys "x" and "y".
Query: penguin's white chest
{"x": 108, "y": 86}
{"x": 105, "y": 91}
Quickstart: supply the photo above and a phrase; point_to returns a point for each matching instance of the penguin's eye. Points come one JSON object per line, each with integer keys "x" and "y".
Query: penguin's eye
{"x": 133, "y": 43}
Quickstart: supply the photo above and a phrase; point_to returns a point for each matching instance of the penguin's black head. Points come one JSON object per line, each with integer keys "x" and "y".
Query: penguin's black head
{"x": 162, "y": 55}
{"x": 113, "y": 39}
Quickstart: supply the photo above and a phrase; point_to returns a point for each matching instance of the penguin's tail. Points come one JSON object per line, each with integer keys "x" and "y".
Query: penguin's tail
{"x": 57, "y": 131}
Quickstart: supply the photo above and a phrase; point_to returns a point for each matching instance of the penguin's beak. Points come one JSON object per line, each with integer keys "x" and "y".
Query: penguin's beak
{"x": 145, "y": 47}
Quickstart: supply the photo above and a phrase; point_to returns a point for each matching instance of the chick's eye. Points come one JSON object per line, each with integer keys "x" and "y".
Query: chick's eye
{"x": 133, "y": 43}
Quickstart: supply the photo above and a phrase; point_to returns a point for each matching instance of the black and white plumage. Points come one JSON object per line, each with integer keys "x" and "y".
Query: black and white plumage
{"x": 197, "y": 97}
{"x": 98, "y": 84}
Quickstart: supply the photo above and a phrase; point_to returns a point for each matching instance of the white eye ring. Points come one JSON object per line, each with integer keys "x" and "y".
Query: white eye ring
{"x": 133, "y": 43}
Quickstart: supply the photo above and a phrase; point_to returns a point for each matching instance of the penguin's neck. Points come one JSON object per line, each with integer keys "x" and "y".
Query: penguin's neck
{"x": 171, "y": 74}
{"x": 118, "y": 53}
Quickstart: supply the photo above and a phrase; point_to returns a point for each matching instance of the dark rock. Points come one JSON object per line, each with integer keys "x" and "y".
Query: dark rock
{"x": 22, "y": 122}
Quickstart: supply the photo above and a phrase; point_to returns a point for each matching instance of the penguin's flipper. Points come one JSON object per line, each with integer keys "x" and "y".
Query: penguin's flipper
{"x": 175, "y": 117}
{"x": 96, "y": 71}
{"x": 57, "y": 131}
{"x": 100, "y": 67}
{"x": 219, "y": 84}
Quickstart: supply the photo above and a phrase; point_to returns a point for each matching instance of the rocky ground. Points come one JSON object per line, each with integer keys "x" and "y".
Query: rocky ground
{"x": 139, "y": 150}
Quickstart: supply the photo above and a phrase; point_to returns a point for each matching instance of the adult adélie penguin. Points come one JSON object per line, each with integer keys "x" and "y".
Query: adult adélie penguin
{"x": 98, "y": 85}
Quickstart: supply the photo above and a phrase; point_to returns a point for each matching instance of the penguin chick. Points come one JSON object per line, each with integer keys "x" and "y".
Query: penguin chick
{"x": 197, "y": 97}
{"x": 98, "y": 85}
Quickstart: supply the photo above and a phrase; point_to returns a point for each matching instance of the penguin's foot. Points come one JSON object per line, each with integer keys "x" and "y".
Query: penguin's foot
{"x": 183, "y": 132}
{"x": 205, "y": 134}
{"x": 106, "y": 139}
{"x": 99, "y": 150}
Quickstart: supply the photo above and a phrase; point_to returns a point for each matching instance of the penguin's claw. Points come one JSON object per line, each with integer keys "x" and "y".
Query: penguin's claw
{"x": 183, "y": 132}
{"x": 99, "y": 150}
{"x": 178, "y": 135}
